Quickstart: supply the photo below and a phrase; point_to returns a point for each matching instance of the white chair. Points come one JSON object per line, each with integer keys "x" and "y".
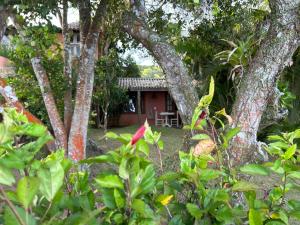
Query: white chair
{"x": 158, "y": 121}
{"x": 175, "y": 121}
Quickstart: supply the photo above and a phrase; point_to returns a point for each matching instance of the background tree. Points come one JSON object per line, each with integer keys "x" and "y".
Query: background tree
{"x": 259, "y": 82}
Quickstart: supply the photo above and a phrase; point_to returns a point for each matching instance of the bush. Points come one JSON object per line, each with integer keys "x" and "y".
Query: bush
{"x": 53, "y": 190}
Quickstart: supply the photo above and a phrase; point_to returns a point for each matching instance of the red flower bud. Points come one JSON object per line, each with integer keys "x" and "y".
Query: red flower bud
{"x": 139, "y": 133}
{"x": 201, "y": 117}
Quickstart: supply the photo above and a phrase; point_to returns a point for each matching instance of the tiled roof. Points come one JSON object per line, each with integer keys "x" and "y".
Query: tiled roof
{"x": 74, "y": 25}
{"x": 142, "y": 83}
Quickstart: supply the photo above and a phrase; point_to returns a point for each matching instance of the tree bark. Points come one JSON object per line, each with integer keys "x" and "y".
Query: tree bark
{"x": 179, "y": 82}
{"x": 89, "y": 39}
{"x": 4, "y": 13}
{"x": 55, "y": 120}
{"x": 68, "y": 106}
{"x": 259, "y": 82}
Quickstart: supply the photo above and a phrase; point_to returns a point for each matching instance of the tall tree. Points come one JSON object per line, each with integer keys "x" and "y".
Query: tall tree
{"x": 259, "y": 82}
{"x": 71, "y": 135}
{"x": 178, "y": 79}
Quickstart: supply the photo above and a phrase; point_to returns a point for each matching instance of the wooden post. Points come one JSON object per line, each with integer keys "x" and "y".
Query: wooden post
{"x": 139, "y": 109}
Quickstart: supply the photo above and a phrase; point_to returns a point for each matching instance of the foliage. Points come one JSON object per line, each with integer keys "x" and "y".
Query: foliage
{"x": 107, "y": 94}
{"x": 42, "y": 43}
{"x": 201, "y": 191}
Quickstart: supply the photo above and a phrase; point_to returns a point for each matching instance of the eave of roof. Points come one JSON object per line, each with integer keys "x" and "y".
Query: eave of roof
{"x": 142, "y": 83}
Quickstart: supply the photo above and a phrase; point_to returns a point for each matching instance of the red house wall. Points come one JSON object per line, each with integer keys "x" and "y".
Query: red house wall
{"x": 152, "y": 100}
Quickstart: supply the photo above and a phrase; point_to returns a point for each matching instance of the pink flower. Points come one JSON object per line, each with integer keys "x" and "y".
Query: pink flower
{"x": 139, "y": 133}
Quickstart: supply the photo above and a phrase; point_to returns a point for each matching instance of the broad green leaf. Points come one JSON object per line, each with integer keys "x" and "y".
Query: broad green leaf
{"x": 142, "y": 208}
{"x": 200, "y": 137}
{"x": 107, "y": 195}
{"x": 290, "y": 152}
{"x": 111, "y": 135}
{"x": 209, "y": 174}
{"x": 255, "y": 169}
{"x": 160, "y": 144}
{"x": 27, "y": 189}
{"x": 244, "y": 186}
{"x": 143, "y": 182}
{"x": 255, "y": 217}
{"x": 51, "y": 180}
{"x": 123, "y": 172}
{"x": 6, "y": 176}
{"x": 109, "y": 157}
{"x": 109, "y": 181}
{"x": 294, "y": 174}
{"x": 143, "y": 147}
{"x": 231, "y": 133}
{"x": 10, "y": 218}
{"x": 120, "y": 201}
{"x": 170, "y": 176}
{"x": 194, "y": 210}
{"x": 34, "y": 130}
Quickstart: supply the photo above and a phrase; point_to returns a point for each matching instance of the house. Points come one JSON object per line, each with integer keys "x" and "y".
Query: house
{"x": 148, "y": 97}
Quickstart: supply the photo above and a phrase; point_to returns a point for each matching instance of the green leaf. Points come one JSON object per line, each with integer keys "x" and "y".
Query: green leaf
{"x": 6, "y": 176}
{"x": 244, "y": 186}
{"x": 231, "y": 133}
{"x": 26, "y": 190}
{"x": 294, "y": 174}
{"x": 160, "y": 144}
{"x": 109, "y": 157}
{"x": 255, "y": 217}
{"x": 34, "y": 130}
{"x": 290, "y": 152}
{"x": 10, "y": 218}
{"x": 209, "y": 174}
{"x": 51, "y": 180}
{"x": 142, "y": 208}
{"x": 108, "y": 198}
{"x": 120, "y": 201}
{"x": 123, "y": 172}
{"x": 143, "y": 147}
{"x": 109, "y": 181}
{"x": 194, "y": 210}
{"x": 111, "y": 135}
{"x": 200, "y": 137}
{"x": 255, "y": 169}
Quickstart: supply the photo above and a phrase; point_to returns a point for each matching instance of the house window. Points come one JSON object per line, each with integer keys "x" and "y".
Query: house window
{"x": 169, "y": 103}
{"x": 75, "y": 45}
{"x": 132, "y": 105}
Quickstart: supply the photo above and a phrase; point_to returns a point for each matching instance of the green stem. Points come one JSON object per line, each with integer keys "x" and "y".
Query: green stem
{"x": 11, "y": 206}
{"x": 45, "y": 214}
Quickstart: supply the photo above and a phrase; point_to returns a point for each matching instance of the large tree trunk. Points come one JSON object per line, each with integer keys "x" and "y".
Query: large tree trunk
{"x": 53, "y": 114}
{"x": 177, "y": 77}
{"x": 259, "y": 83}
{"x": 85, "y": 82}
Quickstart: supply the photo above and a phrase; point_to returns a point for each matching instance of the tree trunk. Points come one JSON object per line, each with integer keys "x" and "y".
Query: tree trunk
{"x": 56, "y": 122}
{"x": 105, "y": 111}
{"x": 85, "y": 82}
{"x": 177, "y": 77}
{"x": 259, "y": 83}
{"x": 4, "y": 13}
{"x": 68, "y": 106}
